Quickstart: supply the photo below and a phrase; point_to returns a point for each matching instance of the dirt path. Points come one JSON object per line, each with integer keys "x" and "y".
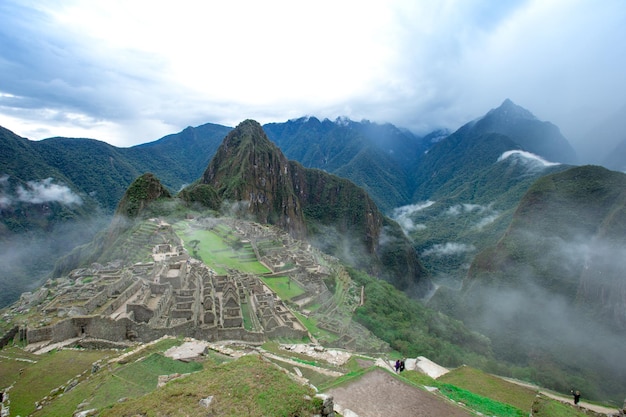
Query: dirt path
{"x": 565, "y": 399}
{"x": 379, "y": 394}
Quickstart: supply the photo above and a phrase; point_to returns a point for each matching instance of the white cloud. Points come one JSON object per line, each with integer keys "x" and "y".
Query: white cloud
{"x": 530, "y": 159}
{"x": 402, "y": 215}
{"x": 448, "y": 249}
{"x": 36, "y": 192}
{"x": 129, "y": 72}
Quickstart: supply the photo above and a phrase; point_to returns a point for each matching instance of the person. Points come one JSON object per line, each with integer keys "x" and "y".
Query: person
{"x": 576, "y": 395}
{"x": 397, "y": 365}
{"x": 401, "y": 365}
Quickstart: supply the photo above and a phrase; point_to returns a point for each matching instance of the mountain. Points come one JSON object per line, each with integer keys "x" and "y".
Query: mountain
{"x": 468, "y": 184}
{"x": 253, "y": 177}
{"x": 616, "y": 159}
{"x": 541, "y": 138}
{"x": 555, "y": 279}
{"x": 104, "y": 171}
{"x": 179, "y": 159}
{"x": 377, "y": 157}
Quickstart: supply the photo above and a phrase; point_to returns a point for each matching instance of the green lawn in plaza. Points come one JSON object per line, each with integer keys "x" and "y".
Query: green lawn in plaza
{"x": 216, "y": 252}
{"x": 285, "y": 287}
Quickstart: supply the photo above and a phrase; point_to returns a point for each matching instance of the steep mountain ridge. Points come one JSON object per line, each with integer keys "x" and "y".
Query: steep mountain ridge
{"x": 533, "y": 135}
{"x": 368, "y": 154}
{"x": 250, "y": 171}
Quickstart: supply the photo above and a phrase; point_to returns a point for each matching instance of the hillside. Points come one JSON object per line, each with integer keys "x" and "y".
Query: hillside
{"x": 556, "y": 274}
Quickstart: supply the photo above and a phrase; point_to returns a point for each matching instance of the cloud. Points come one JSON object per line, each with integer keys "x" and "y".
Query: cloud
{"x": 487, "y": 214}
{"x": 420, "y": 65}
{"x": 36, "y": 192}
{"x": 402, "y": 215}
{"x": 529, "y": 159}
{"x": 448, "y": 249}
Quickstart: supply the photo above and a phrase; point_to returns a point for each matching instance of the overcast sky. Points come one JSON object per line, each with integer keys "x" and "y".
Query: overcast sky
{"x": 129, "y": 72}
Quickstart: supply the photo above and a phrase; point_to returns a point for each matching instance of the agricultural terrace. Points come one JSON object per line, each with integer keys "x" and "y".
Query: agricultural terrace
{"x": 219, "y": 248}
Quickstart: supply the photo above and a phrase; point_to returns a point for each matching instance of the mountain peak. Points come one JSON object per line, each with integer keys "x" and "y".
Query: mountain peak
{"x": 144, "y": 190}
{"x": 509, "y": 110}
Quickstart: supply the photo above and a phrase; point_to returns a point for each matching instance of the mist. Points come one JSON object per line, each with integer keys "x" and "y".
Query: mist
{"x": 402, "y": 215}
{"x": 28, "y": 259}
{"x": 36, "y": 192}
{"x": 561, "y": 308}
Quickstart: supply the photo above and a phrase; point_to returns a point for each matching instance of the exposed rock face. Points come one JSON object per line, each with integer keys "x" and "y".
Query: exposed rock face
{"x": 251, "y": 173}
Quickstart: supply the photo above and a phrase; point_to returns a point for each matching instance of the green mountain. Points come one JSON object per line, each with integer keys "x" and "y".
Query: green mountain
{"x": 379, "y": 158}
{"x": 468, "y": 184}
{"x": 252, "y": 176}
{"x": 105, "y": 172}
{"x": 555, "y": 283}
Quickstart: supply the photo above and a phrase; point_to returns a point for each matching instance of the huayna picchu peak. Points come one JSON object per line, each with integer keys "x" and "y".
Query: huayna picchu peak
{"x": 251, "y": 176}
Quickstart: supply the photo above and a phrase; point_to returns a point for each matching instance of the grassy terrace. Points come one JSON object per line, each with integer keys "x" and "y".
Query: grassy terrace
{"x": 33, "y": 381}
{"x": 214, "y": 249}
{"x": 283, "y": 286}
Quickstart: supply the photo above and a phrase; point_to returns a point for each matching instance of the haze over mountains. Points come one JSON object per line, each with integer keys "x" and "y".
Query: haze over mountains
{"x": 493, "y": 212}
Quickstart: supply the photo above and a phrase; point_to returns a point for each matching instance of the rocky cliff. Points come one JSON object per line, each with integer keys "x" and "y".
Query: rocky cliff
{"x": 252, "y": 177}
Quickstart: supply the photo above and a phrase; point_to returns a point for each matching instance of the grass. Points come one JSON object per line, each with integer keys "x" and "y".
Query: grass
{"x": 108, "y": 386}
{"x": 485, "y": 405}
{"x": 211, "y": 248}
{"x": 314, "y": 377}
{"x": 145, "y": 350}
{"x": 546, "y": 407}
{"x": 349, "y": 377}
{"x": 247, "y": 386}
{"x": 311, "y": 325}
{"x": 284, "y": 287}
{"x": 490, "y": 386}
{"x": 52, "y": 370}
{"x": 247, "y": 321}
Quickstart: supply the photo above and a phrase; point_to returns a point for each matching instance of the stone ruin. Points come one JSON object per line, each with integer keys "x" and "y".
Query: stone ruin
{"x": 175, "y": 294}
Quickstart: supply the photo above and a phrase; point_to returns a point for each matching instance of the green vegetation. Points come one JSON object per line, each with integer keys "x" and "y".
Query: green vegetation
{"x": 349, "y": 377}
{"x": 311, "y": 325}
{"x": 479, "y": 403}
{"x": 415, "y": 330}
{"x": 284, "y": 287}
{"x": 33, "y": 381}
{"x": 488, "y": 400}
{"x": 132, "y": 380}
{"x": 484, "y": 384}
{"x": 213, "y": 248}
{"x": 248, "y": 386}
{"x": 546, "y": 407}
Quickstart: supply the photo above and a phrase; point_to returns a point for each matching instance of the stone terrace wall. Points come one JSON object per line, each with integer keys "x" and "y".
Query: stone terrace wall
{"x": 118, "y": 331}
{"x": 38, "y": 335}
{"x": 96, "y": 301}
{"x": 117, "y": 303}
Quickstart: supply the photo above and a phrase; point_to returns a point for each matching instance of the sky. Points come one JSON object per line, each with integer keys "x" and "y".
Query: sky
{"x": 129, "y": 72}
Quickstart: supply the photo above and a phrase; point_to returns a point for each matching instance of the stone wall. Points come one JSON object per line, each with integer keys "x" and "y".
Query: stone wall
{"x": 141, "y": 313}
{"x": 286, "y": 332}
{"x": 38, "y": 335}
{"x": 119, "y": 301}
{"x": 119, "y": 285}
{"x": 96, "y": 301}
{"x": 8, "y": 336}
